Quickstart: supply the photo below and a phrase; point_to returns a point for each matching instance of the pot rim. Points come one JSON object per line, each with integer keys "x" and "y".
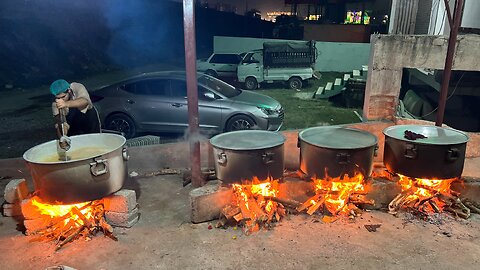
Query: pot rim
{"x": 108, "y": 151}
{"x": 241, "y": 141}
{"x": 370, "y": 136}
{"x": 457, "y": 136}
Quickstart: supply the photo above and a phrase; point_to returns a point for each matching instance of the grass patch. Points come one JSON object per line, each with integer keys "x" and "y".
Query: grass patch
{"x": 304, "y": 113}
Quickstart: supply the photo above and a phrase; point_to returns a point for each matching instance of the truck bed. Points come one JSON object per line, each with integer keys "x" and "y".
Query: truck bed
{"x": 289, "y": 54}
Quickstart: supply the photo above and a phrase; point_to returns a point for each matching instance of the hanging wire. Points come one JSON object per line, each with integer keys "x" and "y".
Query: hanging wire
{"x": 449, "y": 96}
{"x": 443, "y": 18}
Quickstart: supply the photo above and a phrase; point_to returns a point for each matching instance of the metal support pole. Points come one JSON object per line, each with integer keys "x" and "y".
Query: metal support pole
{"x": 192, "y": 93}
{"x": 447, "y": 70}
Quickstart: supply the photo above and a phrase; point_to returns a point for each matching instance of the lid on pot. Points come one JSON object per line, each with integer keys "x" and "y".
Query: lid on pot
{"x": 338, "y": 137}
{"x": 247, "y": 140}
{"x": 434, "y": 135}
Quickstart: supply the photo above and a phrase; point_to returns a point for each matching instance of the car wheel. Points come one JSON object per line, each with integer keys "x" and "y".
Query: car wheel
{"x": 240, "y": 122}
{"x": 251, "y": 83}
{"x": 211, "y": 73}
{"x": 295, "y": 83}
{"x": 121, "y": 123}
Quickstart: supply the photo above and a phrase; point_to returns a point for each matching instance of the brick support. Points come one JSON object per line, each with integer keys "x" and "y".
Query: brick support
{"x": 16, "y": 190}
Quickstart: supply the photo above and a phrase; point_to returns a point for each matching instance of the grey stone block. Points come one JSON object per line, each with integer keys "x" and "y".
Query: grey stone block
{"x": 382, "y": 192}
{"x": 16, "y": 190}
{"x": 12, "y": 209}
{"x": 123, "y": 201}
{"x": 469, "y": 188}
{"x": 208, "y": 201}
{"x": 126, "y": 220}
{"x": 295, "y": 189}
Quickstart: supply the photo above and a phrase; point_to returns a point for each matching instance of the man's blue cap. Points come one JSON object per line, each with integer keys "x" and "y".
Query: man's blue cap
{"x": 59, "y": 86}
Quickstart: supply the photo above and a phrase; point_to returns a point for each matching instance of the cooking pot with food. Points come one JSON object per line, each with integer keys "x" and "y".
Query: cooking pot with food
{"x": 425, "y": 151}
{"x": 243, "y": 155}
{"x": 97, "y": 167}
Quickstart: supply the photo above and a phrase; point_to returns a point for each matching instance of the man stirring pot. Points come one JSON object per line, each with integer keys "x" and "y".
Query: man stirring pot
{"x": 73, "y": 112}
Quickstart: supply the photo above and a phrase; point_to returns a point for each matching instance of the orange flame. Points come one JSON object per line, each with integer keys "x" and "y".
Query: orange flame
{"x": 61, "y": 210}
{"x": 337, "y": 192}
{"x": 256, "y": 188}
{"x": 422, "y": 188}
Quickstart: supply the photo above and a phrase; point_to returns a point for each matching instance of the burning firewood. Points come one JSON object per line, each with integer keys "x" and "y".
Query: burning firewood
{"x": 70, "y": 237}
{"x": 428, "y": 196}
{"x": 69, "y": 222}
{"x": 434, "y": 206}
{"x": 283, "y": 201}
{"x": 309, "y": 202}
{"x": 360, "y": 199}
{"x": 336, "y": 195}
{"x": 230, "y": 211}
{"x": 315, "y": 205}
{"x": 255, "y": 206}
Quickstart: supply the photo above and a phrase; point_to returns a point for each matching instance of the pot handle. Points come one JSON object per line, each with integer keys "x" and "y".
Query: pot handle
{"x": 375, "y": 151}
{"x": 453, "y": 154}
{"x": 298, "y": 142}
{"x": 222, "y": 158}
{"x": 343, "y": 158}
{"x": 99, "y": 167}
{"x": 410, "y": 151}
{"x": 125, "y": 155}
{"x": 267, "y": 157}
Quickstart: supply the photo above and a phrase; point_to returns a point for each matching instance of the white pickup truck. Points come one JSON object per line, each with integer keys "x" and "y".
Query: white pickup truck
{"x": 290, "y": 62}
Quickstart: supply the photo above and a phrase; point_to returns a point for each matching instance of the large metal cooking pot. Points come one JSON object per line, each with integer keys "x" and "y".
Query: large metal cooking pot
{"x": 243, "y": 155}
{"x": 100, "y": 171}
{"x": 336, "y": 151}
{"x": 440, "y": 155}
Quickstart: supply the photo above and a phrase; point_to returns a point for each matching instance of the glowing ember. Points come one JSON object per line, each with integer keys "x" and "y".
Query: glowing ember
{"x": 337, "y": 195}
{"x": 426, "y": 195}
{"x": 65, "y": 223}
{"x": 255, "y": 205}
{"x": 337, "y": 192}
{"x": 257, "y": 189}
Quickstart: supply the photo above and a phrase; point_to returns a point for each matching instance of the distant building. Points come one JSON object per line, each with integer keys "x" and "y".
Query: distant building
{"x": 272, "y": 15}
{"x": 430, "y": 17}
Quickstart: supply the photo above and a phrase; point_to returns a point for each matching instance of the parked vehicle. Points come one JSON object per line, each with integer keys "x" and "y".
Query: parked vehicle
{"x": 220, "y": 65}
{"x": 290, "y": 62}
{"x": 157, "y": 102}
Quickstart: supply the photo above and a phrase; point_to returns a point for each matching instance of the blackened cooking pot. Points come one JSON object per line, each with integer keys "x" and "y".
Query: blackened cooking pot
{"x": 336, "y": 151}
{"x": 243, "y": 155}
{"x": 440, "y": 155}
{"x": 96, "y": 169}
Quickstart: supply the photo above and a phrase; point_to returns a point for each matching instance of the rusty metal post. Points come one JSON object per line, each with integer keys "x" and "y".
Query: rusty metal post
{"x": 447, "y": 70}
{"x": 192, "y": 93}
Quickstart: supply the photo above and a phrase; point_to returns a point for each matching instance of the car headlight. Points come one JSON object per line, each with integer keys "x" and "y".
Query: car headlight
{"x": 267, "y": 111}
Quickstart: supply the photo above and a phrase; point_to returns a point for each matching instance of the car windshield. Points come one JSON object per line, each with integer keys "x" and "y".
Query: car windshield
{"x": 217, "y": 85}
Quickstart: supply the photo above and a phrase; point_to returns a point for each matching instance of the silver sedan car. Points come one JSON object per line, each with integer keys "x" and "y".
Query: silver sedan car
{"x": 157, "y": 102}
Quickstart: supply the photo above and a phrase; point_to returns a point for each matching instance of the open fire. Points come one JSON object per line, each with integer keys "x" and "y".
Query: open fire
{"x": 65, "y": 223}
{"x": 428, "y": 196}
{"x": 255, "y": 205}
{"x": 337, "y": 196}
